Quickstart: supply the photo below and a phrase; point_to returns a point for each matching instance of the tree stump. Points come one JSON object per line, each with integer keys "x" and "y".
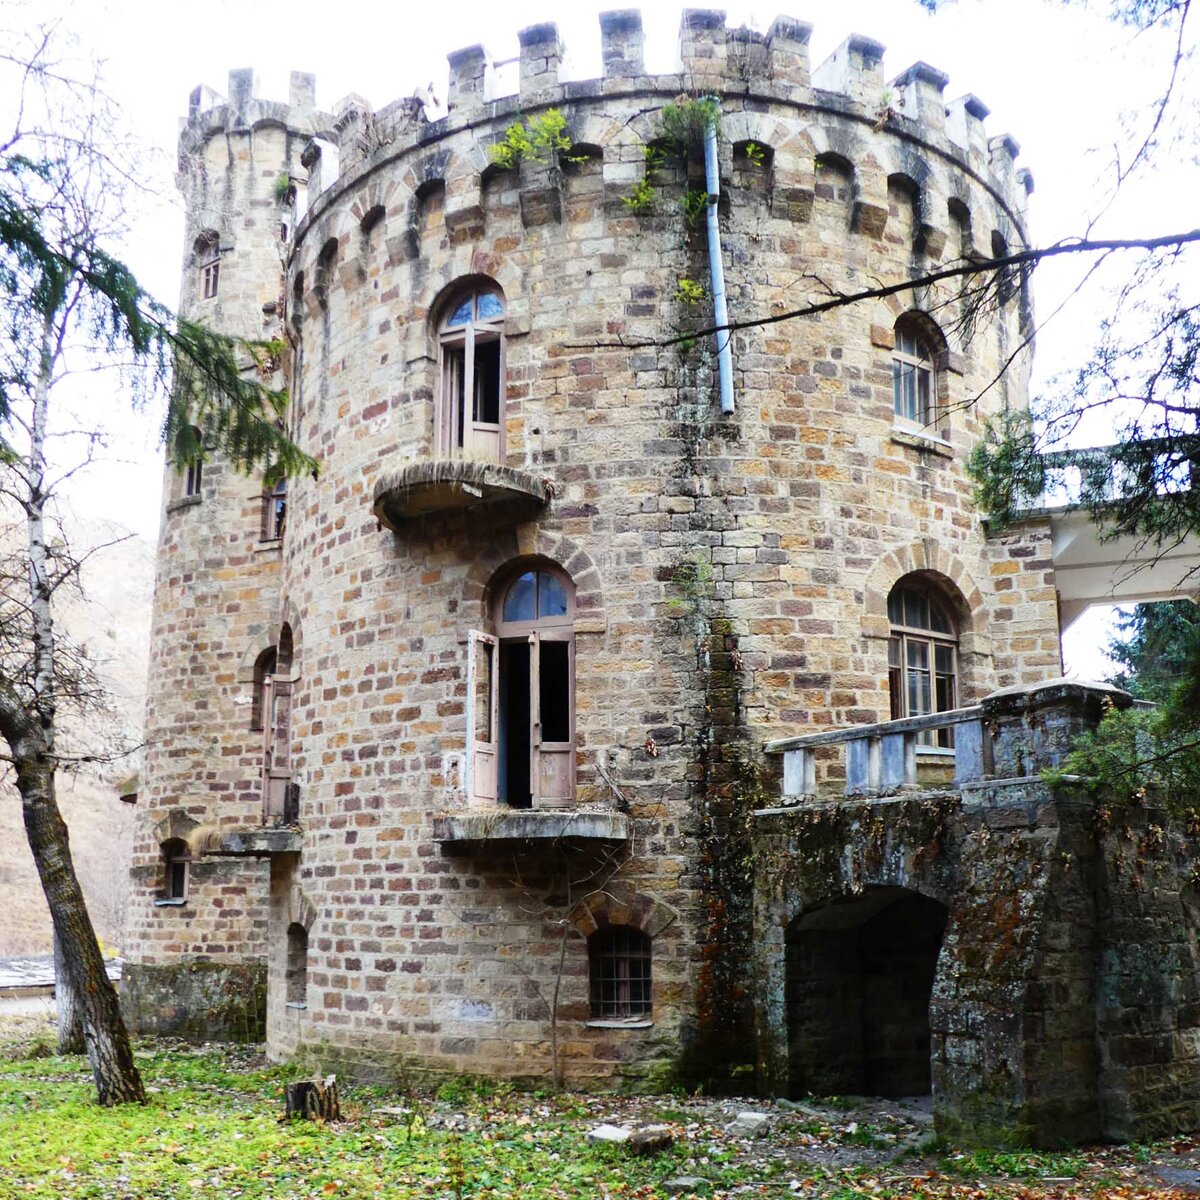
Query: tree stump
{"x": 314, "y": 1099}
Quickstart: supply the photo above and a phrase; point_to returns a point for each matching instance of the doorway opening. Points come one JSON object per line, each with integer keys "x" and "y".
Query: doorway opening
{"x": 859, "y": 978}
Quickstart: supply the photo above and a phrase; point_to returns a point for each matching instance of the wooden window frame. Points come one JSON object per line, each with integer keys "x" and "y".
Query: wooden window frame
{"x": 274, "y": 513}
{"x": 175, "y": 854}
{"x": 918, "y": 360}
{"x": 552, "y": 766}
{"x": 902, "y": 637}
{"x": 462, "y": 435}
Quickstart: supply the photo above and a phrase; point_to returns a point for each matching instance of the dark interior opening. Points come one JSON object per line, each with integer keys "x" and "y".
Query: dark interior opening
{"x": 554, "y": 690}
{"x": 514, "y": 724}
{"x": 859, "y": 977}
{"x": 487, "y": 382}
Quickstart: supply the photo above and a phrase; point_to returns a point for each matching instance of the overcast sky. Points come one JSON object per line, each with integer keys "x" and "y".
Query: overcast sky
{"x": 1066, "y": 83}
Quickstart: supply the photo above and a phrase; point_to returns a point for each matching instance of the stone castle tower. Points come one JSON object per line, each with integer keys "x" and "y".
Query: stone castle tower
{"x": 455, "y": 749}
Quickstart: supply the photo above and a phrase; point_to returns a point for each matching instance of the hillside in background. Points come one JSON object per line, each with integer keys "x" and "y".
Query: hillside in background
{"x": 112, "y": 618}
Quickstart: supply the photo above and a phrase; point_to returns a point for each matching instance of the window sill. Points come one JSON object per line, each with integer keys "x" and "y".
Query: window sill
{"x": 620, "y": 1023}
{"x": 946, "y": 752}
{"x": 916, "y": 439}
{"x": 293, "y": 1004}
{"x": 268, "y": 545}
{"x": 182, "y": 502}
{"x": 170, "y": 903}
{"x": 530, "y": 825}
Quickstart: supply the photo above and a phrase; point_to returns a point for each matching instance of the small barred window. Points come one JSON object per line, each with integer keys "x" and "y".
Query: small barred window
{"x": 619, "y": 973}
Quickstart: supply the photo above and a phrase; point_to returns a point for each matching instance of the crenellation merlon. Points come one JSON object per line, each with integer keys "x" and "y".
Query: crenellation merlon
{"x": 919, "y": 95}
{"x": 243, "y": 87}
{"x": 468, "y": 78}
{"x": 540, "y": 60}
{"x": 1002, "y": 152}
{"x": 622, "y": 44}
{"x": 854, "y": 69}
{"x": 964, "y": 126}
{"x": 703, "y": 46}
{"x": 787, "y": 51}
{"x": 302, "y": 90}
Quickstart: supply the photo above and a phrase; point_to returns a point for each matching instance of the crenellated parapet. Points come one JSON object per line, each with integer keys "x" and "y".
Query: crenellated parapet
{"x": 849, "y": 113}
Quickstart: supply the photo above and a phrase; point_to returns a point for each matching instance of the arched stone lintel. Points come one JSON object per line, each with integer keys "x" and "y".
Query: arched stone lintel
{"x": 530, "y": 541}
{"x": 621, "y": 905}
{"x": 930, "y": 558}
{"x": 176, "y": 824}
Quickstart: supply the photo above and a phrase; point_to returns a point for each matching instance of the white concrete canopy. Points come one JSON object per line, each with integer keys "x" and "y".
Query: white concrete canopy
{"x": 1092, "y": 568}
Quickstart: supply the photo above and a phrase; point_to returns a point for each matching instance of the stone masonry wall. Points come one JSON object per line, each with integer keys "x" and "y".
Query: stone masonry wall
{"x": 1063, "y": 1006}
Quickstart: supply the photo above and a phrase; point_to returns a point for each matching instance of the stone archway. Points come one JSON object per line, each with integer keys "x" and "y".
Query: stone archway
{"x": 859, "y": 976}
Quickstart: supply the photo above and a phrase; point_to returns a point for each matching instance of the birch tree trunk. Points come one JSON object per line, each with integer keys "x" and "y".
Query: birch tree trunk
{"x": 29, "y": 728}
{"x": 70, "y": 1019}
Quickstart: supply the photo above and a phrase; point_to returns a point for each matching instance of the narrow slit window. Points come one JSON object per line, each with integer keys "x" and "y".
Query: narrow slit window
{"x": 176, "y": 860}
{"x": 296, "y": 979}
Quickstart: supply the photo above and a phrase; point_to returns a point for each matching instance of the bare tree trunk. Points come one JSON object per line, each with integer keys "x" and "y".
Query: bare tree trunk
{"x": 109, "y": 1053}
{"x": 28, "y": 725}
{"x": 70, "y": 1018}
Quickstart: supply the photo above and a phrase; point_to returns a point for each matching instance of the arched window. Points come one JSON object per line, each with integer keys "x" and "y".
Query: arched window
{"x": 208, "y": 259}
{"x": 193, "y": 476}
{"x": 176, "y": 860}
{"x": 296, "y": 978}
{"x": 521, "y": 694}
{"x": 264, "y": 668}
{"x": 914, "y": 375}
{"x": 470, "y": 396}
{"x": 619, "y": 973}
{"x": 280, "y": 802}
{"x": 922, "y": 655}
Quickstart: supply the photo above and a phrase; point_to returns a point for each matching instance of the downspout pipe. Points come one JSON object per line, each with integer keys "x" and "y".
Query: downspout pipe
{"x": 716, "y": 266}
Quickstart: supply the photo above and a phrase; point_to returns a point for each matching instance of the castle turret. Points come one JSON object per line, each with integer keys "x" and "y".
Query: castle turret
{"x": 198, "y": 924}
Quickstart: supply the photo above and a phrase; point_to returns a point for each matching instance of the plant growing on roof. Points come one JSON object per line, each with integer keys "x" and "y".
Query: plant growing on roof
{"x": 539, "y": 138}
{"x": 685, "y": 122}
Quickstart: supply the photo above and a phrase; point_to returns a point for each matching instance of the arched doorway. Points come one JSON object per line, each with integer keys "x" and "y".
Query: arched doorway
{"x": 859, "y": 976}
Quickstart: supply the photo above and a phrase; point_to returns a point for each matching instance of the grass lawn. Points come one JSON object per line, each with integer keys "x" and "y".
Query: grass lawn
{"x": 212, "y": 1128}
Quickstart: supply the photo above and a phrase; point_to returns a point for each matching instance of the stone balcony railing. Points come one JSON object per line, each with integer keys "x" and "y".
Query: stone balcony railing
{"x": 1010, "y": 736}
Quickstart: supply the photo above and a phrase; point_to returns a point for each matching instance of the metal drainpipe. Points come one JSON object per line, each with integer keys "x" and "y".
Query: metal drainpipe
{"x": 716, "y": 267}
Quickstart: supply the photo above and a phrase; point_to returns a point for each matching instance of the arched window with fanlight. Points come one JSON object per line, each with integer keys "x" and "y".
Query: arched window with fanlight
{"x": 470, "y": 396}
{"x": 521, "y": 694}
{"x": 922, "y": 655}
